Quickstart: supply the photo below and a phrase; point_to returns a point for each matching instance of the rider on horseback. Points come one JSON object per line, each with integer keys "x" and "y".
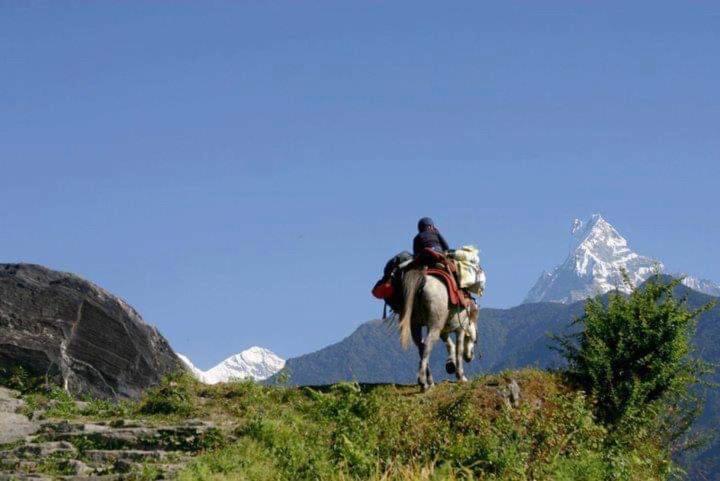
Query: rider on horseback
{"x": 428, "y": 237}
{"x": 443, "y": 307}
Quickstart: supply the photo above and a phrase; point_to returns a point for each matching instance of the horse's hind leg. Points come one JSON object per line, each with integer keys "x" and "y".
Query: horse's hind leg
{"x": 460, "y": 374}
{"x": 416, "y": 333}
{"x": 450, "y": 345}
{"x": 429, "y": 377}
{"x": 425, "y": 378}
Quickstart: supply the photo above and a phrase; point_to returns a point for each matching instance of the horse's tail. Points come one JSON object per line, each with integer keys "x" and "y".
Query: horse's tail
{"x": 411, "y": 284}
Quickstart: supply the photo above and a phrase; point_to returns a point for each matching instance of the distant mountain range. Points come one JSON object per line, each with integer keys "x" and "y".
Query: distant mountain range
{"x": 597, "y": 258}
{"x": 255, "y": 363}
{"x": 508, "y": 338}
{"x": 701, "y": 285}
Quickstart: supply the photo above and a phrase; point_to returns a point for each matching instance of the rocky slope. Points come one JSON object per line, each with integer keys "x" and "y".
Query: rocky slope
{"x": 254, "y": 363}
{"x": 121, "y": 450}
{"x": 13, "y": 424}
{"x": 60, "y": 326}
{"x": 595, "y": 265}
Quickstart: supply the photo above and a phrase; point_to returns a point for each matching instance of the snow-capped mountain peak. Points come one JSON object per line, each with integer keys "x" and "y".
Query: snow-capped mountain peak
{"x": 599, "y": 243}
{"x": 595, "y": 264}
{"x": 597, "y": 258}
{"x": 254, "y": 363}
{"x": 701, "y": 285}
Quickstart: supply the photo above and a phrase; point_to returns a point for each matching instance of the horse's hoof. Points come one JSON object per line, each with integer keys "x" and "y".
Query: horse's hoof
{"x": 450, "y": 367}
{"x": 426, "y": 387}
{"x": 462, "y": 379}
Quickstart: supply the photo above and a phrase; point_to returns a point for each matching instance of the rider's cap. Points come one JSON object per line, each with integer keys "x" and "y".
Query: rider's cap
{"x": 424, "y": 223}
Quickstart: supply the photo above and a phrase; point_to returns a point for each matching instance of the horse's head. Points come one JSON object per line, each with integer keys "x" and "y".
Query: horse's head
{"x": 469, "y": 341}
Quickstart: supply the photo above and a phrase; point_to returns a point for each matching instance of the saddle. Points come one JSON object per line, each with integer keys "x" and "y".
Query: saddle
{"x": 435, "y": 264}
{"x": 443, "y": 268}
{"x": 457, "y": 297}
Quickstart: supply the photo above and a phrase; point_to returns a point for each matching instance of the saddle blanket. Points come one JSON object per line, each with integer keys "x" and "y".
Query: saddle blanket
{"x": 457, "y": 296}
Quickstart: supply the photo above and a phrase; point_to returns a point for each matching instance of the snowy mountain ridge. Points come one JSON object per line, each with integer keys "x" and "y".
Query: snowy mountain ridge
{"x": 597, "y": 258}
{"x": 254, "y": 363}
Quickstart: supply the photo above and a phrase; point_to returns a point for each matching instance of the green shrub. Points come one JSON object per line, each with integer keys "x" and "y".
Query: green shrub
{"x": 634, "y": 352}
{"x": 61, "y": 404}
{"x": 18, "y": 378}
{"x": 353, "y": 441}
{"x": 174, "y": 396}
{"x": 104, "y": 409}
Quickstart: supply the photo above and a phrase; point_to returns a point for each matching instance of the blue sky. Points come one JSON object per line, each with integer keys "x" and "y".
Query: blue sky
{"x": 240, "y": 172}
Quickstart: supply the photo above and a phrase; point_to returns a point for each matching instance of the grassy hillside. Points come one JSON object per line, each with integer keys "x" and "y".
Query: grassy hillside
{"x": 478, "y": 430}
{"x": 388, "y": 432}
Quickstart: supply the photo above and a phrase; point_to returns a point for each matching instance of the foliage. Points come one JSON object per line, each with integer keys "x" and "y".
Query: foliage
{"x": 61, "y": 404}
{"x": 18, "y": 378}
{"x": 174, "y": 396}
{"x": 360, "y": 432}
{"x": 101, "y": 408}
{"x": 633, "y": 356}
{"x": 383, "y": 432}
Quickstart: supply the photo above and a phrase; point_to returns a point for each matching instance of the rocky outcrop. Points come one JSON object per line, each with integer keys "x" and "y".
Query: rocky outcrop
{"x": 118, "y": 451}
{"x": 60, "y": 326}
{"x": 13, "y": 424}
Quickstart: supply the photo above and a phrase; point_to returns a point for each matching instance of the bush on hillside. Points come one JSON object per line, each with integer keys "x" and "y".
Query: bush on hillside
{"x": 175, "y": 395}
{"x": 634, "y": 356}
{"x": 18, "y": 378}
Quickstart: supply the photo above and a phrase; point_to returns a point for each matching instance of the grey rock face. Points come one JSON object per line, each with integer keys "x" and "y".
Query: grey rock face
{"x": 120, "y": 451}
{"x": 58, "y": 325}
{"x": 13, "y": 426}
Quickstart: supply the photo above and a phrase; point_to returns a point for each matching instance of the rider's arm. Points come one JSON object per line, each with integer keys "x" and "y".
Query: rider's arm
{"x": 417, "y": 245}
{"x": 443, "y": 242}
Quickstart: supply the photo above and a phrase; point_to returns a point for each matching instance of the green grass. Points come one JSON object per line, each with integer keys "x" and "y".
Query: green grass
{"x": 352, "y": 432}
{"x": 386, "y": 432}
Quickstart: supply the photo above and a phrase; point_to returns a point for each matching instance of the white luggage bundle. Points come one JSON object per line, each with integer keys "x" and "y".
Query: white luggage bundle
{"x": 470, "y": 274}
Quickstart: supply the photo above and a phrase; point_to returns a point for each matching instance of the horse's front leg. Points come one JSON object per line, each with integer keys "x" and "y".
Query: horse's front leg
{"x": 460, "y": 374}
{"x": 450, "y": 345}
{"x": 425, "y": 374}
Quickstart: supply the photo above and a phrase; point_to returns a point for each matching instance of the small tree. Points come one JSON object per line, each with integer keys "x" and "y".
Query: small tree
{"x": 635, "y": 351}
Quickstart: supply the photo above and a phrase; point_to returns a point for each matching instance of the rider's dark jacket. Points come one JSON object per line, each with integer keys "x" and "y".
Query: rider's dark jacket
{"x": 429, "y": 239}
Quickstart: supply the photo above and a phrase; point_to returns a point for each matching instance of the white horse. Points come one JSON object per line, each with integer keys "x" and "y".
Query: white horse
{"x": 427, "y": 305}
